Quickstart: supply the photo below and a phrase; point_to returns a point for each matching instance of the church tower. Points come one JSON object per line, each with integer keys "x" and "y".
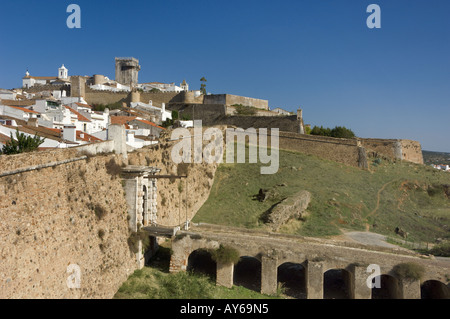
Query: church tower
{"x": 62, "y": 72}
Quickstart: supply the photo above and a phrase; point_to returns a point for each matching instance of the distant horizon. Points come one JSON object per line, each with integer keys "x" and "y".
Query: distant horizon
{"x": 392, "y": 82}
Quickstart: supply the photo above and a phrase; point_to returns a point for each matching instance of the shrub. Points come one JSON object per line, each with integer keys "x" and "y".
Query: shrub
{"x": 135, "y": 237}
{"x": 112, "y": 168}
{"x": 21, "y": 144}
{"x": 409, "y": 271}
{"x": 442, "y": 250}
{"x": 101, "y": 233}
{"x": 244, "y": 110}
{"x": 225, "y": 255}
{"x": 100, "y": 211}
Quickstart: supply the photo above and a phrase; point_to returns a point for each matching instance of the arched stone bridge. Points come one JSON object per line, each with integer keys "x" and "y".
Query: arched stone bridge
{"x": 310, "y": 268}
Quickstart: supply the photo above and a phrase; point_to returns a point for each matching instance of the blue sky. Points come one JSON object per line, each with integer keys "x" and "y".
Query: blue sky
{"x": 319, "y": 55}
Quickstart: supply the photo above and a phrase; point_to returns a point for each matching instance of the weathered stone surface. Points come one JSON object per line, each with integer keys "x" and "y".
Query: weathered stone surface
{"x": 292, "y": 207}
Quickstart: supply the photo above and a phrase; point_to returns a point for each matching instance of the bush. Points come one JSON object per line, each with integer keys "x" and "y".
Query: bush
{"x": 442, "y": 250}
{"x": 409, "y": 271}
{"x": 338, "y": 132}
{"x": 135, "y": 237}
{"x": 21, "y": 144}
{"x": 225, "y": 255}
{"x": 100, "y": 211}
{"x": 244, "y": 110}
{"x": 113, "y": 168}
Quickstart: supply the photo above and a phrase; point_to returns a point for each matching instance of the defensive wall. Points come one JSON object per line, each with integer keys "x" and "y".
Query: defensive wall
{"x": 407, "y": 150}
{"x": 105, "y": 97}
{"x": 66, "y": 207}
{"x": 230, "y": 99}
{"x": 346, "y": 151}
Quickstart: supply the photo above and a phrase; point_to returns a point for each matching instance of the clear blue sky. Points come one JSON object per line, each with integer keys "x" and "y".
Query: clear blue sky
{"x": 392, "y": 82}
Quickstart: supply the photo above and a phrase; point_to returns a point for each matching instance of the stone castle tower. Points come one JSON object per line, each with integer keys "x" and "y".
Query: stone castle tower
{"x": 127, "y": 71}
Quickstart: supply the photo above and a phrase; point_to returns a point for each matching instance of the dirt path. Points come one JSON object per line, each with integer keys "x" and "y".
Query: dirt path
{"x": 378, "y": 197}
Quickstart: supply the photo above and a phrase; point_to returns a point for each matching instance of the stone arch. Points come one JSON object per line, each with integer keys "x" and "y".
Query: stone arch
{"x": 434, "y": 289}
{"x": 389, "y": 288}
{"x": 337, "y": 284}
{"x": 200, "y": 262}
{"x": 247, "y": 273}
{"x": 293, "y": 278}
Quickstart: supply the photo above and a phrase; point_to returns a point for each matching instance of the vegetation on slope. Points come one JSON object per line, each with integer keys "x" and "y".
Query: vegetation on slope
{"x": 155, "y": 282}
{"x": 412, "y": 197}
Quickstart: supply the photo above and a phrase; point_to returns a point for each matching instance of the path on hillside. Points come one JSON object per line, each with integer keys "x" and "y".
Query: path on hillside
{"x": 379, "y": 195}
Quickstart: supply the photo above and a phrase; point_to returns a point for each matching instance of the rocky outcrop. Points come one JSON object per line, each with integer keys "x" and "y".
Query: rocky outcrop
{"x": 291, "y": 207}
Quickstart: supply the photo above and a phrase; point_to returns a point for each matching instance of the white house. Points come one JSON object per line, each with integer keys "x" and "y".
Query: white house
{"x": 164, "y": 115}
{"x": 7, "y": 95}
{"x": 18, "y": 112}
{"x": 48, "y": 142}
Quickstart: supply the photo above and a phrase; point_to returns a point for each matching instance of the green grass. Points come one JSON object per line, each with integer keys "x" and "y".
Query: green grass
{"x": 343, "y": 197}
{"x": 155, "y": 282}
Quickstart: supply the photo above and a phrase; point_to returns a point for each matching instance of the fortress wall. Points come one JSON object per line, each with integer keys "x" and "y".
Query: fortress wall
{"x": 407, "y": 150}
{"x": 260, "y": 112}
{"x": 229, "y": 99}
{"x": 412, "y": 151}
{"x": 104, "y": 97}
{"x": 48, "y": 221}
{"x": 208, "y": 113}
{"x": 284, "y": 123}
{"x": 48, "y": 217}
{"x": 344, "y": 151}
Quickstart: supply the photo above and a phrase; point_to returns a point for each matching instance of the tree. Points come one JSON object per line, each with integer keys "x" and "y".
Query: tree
{"x": 342, "y": 132}
{"x": 203, "y": 85}
{"x": 22, "y": 143}
{"x": 338, "y": 132}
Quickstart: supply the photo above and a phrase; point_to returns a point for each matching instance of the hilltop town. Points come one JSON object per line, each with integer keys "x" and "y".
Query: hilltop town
{"x": 70, "y": 110}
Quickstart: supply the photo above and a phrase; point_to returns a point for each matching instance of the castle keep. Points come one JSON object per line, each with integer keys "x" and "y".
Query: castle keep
{"x": 127, "y": 71}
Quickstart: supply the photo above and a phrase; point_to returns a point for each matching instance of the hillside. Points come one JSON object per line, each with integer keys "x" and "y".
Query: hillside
{"x": 413, "y": 197}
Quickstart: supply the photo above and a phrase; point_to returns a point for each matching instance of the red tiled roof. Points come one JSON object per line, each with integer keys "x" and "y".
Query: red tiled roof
{"x": 81, "y": 118}
{"x": 122, "y": 120}
{"x": 87, "y": 137}
{"x": 150, "y": 123}
{"x": 40, "y": 77}
{"x": 24, "y": 109}
{"x": 4, "y": 138}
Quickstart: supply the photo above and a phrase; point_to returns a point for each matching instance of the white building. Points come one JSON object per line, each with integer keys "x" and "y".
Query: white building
{"x": 161, "y": 110}
{"x": 48, "y": 143}
{"x": 442, "y": 167}
{"x": 30, "y": 81}
{"x": 18, "y": 112}
{"x": 280, "y": 111}
{"x": 7, "y": 95}
{"x": 163, "y": 87}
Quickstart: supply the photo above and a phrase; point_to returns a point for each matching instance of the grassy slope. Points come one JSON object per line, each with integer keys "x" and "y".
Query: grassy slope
{"x": 386, "y": 196}
{"x": 155, "y": 282}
